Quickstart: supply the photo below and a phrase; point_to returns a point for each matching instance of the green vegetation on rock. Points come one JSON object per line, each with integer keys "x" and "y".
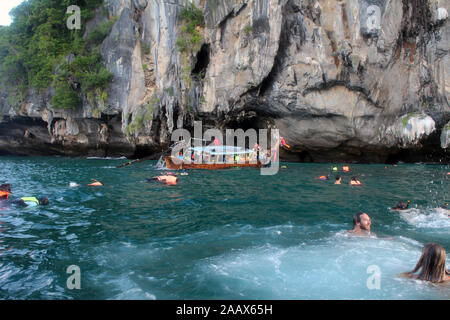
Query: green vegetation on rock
{"x": 38, "y": 51}
{"x": 190, "y": 37}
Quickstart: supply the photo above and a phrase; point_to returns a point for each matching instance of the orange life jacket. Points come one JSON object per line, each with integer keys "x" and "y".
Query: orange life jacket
{"x": 4, "y": 194}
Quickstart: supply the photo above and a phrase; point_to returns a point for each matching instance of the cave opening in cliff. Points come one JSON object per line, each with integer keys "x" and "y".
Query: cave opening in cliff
{"x": 201, "y": 62}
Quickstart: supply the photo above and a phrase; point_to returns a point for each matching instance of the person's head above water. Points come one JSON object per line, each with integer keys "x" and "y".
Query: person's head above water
{"x": 361, "y": 221}
{"x": 355, "y": 181}
{"x": 401, "y": 206}
{"x": 431, "y": 265}
{"x": 43, "y": 201}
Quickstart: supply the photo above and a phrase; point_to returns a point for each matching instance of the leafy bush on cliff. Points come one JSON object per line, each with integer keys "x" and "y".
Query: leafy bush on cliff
{"x": 36, "y": 44}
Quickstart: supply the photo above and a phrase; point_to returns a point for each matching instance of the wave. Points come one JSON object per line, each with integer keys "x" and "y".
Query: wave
{"x": 427, "y": 218}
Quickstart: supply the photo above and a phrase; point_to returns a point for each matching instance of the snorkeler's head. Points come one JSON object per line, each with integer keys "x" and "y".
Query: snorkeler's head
{"x": 445, "y": 206}
{"x": 43, "y": 201}
{"x": 402, "y": 205}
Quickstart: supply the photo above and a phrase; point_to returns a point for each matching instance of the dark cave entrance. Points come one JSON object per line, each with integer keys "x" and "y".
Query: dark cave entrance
{"x": 201, "y": 62}
{"x": 247, "y": 121}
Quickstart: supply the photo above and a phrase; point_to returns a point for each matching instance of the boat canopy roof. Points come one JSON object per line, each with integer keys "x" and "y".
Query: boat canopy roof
{"x": 218, "y": 150}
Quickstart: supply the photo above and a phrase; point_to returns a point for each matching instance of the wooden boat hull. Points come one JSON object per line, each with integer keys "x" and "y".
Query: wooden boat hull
{"x": 209, "y": 166}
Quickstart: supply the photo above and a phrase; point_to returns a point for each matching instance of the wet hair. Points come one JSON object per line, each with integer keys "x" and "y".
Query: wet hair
{"x": 357, "y": 218}
{"x": 338, "y": 177}
{"x": 43, "y": 201}
{"x": 354, "y": 179}
{"x": 431, "y": 265}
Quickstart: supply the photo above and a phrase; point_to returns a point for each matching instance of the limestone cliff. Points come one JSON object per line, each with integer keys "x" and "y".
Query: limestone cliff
{"x": 343, "y": 80}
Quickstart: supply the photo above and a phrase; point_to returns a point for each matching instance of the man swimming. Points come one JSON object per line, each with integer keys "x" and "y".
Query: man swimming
{"x": 167, "y": 179}
{"x": 361, "y": 225}
{"x": 338, "y": 180}
{"x": 401, "y": 206}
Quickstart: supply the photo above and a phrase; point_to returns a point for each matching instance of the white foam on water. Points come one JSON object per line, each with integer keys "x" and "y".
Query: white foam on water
{"x": 435, "y": 218}
{"x": 333, "y": 269}
{"x": 125, "y": 288}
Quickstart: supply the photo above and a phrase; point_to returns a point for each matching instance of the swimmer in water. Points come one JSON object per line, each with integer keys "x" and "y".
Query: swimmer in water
{"x": 361, "y": 225}
{"x": 355, "y": 182}
{"x": 5, "y": 191}
{"x": 401, "y": 206}
{"x": 446, "y": 207}
{"x": 338, "y": 180}
{"x": 323, "y": 178}
{"x": 431, "y": 265}
{"x": 167, "y": 179}
{"x": 95, "y": 184}
{"x": 31, "y": 201}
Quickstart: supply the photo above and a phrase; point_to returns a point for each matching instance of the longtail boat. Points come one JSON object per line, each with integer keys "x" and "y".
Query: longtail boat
{"x": 224, "y": 154}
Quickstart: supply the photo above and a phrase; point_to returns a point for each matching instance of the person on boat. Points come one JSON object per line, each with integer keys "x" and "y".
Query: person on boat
{"x": 167, "y": 179}
{"x": 5, "y": 191}
{"x": 401, "y": 206}
{"x": 283, "y": 143}
{"x": 431, "y": 265}
{"x": 95, "y": 184}
{"x": 355, "y": 182}
{"x": 361, "y": 224}
{"x": 31, "y": 201}
{"x": 338, "y": 180}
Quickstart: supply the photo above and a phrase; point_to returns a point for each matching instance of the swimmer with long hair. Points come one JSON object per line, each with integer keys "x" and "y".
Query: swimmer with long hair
{"x": 431, "y": 265}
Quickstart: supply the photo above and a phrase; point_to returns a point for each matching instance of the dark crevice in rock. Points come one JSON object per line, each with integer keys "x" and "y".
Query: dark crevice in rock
{"x": 201, "y": 62}
{"x": 240, "y": 9}
{"x": 222, "y": 27}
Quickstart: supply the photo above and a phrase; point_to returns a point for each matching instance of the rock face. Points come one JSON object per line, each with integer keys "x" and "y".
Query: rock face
{"x": 347, "y": 80}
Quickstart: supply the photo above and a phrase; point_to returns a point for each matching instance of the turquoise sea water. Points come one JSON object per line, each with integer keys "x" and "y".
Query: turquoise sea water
{"x": 227, "y": 234}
